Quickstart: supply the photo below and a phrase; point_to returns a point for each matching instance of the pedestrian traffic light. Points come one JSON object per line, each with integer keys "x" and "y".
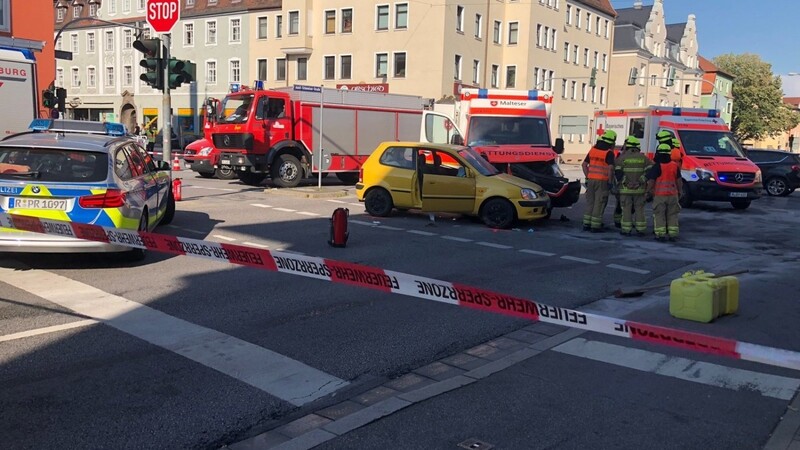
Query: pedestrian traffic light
{"x": 593, "y": 78}
{"x": 61, "y": 96}
{"x": 154, "y": 75}
{"x": 48, "y": 98}
{"x": 180, "y": 72}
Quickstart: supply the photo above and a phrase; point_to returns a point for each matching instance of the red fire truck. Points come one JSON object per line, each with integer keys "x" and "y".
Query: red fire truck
{"x": 713, "y": 165}
{"x": 201, "y": 155}
{"x": 276, "y": 132}
{"x": 511, "y": 129}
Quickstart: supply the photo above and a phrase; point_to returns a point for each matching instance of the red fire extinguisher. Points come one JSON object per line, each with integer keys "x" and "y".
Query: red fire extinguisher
{"x": 176, "y": 189}
{"x": 339, "y": 233}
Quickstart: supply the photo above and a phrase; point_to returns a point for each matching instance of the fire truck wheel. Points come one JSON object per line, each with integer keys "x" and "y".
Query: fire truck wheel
{"x": 497, "y": 213}
{"x": 378, "y": 202}
{"x": 225, "y": 173}
{"x": 286, "y": 171}
{"x": 740, "y": 204}
{"x": 251, "y": 179}
{"x": 206, "y": 174}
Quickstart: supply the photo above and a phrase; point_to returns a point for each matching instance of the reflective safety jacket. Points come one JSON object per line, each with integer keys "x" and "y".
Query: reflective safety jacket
{"x": 598, "y": 164}
{"x": 630, "y": 170}
{"x": 667, "y": 182}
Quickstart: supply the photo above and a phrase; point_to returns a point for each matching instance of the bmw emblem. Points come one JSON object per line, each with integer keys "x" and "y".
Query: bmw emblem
{"x": 36, "y": 189}
{"x": 227, "y": 141}
{"x": 739, "y": 177}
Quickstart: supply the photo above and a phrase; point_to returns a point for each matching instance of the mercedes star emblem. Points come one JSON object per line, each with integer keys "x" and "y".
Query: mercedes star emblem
{"x": 227, "y": 141}
{"x": 739, "y": 177}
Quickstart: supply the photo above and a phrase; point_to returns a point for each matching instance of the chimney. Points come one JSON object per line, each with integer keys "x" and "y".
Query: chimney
{"x": 637, "y": 4}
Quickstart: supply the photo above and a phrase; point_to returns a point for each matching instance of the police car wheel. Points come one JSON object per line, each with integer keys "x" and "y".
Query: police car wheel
{"x": 137, "y": 254}
{"x": 497, "y": 213}
{"x": 169, "y": 213}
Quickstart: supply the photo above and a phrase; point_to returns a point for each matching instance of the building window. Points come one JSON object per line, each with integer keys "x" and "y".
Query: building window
{"x": 126, "y": 6}
{"x": 605, "y": 62}
{"x": 89, "y": 42}
{"x": 586, "y": 57}
{"x": 511, "y": 76}
{"x": 539, "y": 35}
{"x": 189, "y": 3}
{"x": 569, "y": 14}
{"x": 330, "y": 68}
{"x": 347, "y": 20}
{"x": 211, "y": 33}
{"x": 142, "y": 4}
{"x": 381, "y": 64}
{"x": 537, "y": 77}
{"x": 91, "y": 79}
{"x": 382, "y": 17}
{"x": 401, "y": 15}
{"x": 457, "y": 68}
{"x": 686, "y": 88}
{"x": 476, "y": 71}
{"x": 93, "y": 10}
{"x": 127, "y": 76}
{"x": 280, "y": 69}
{"x": 495, "y": 75}
{"x": 513, "y": 33}
{"x": 109, "y": 76}
{"x": 563, "y": 88}
{"x": 594, "y": 94}
{"x": 59, "y": 16}
{"x": 76, "y": 12}
{"x": 597, "y": 26}
{"x": 330, "y": 22}
{"x": 302, "y": 68}
{"x": 605, "y": 28}
{"x": 211, "y": 72}
{"x": 478, "y": 26}
{"x": 459, "y": 19}
{"x": 400, "y": 65}
{"x": 346, "y": 67}
{"x": 112, "y": 6}
{"x": 73, "y": 41}
{"x": 188, "y": 34}
{"x": 109, "y": 41}
{"x": 262, "y": 69}
{"x": 551, "y": 75}
{"x": 235, "y": 71}
{"x": 653, "y": 80}
{"x": 497, "y": 32}
{"x": 596, "y": 60}
{"x": 566, "y": 51}
{"x": 236, "y": 30}
{"x": 60, "y": 77}
{"x": 546, "y": 37}
{"x": 553, "y": 39}
{"x": 588, "y": 22}
{"x": 578, "y": 18}
{"x": 574, "y": 90}
{"x": 575, "y": 51}
{"x": 262, "y": 27}
{"x": 294, "y": 23}
{"x": 127, "y": 39}
{"x": 278, "y": 26}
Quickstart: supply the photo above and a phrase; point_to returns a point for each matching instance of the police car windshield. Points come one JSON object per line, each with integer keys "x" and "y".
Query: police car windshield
{"x": 709, "y": 143}
{"x": 475, "y": 160}
{"x": 52, "y": 165}
{"x": 485, "y": 130}
{"x": 235, "y": 109}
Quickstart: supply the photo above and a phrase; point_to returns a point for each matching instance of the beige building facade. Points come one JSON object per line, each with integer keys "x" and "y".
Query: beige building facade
{"x": 654, "y": 63}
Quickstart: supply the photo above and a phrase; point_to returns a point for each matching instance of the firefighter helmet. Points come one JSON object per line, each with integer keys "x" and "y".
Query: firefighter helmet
{"x": 664, "y": 148}
{"x": 632, "y": 142}
{"x": 664, "y": 137}
{"x": 610, "y": 137}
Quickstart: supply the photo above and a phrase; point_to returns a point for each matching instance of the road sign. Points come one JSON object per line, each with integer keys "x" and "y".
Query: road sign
{"x": 162, "y": 15}
{"x": 306, "y": 88}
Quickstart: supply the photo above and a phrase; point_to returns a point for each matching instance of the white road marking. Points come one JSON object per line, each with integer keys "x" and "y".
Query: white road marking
{"x": 224, "y": 238}
{"x": 336, "y": 201}
{"x": 493, "y": 245}
{"x": 583, "y": 260}
{"x": 210, "y": 188}
{"x": 306, "y": 213}
{"x": 536, "y": 252}
{"x": 285, "y": 209}
{"x": 276, "y": 374}
{"x": 456, "y": 238}
{"x": 629, "y": 269}
{"x": 361, "y": 222}
{"x": 253, "y": 244}
{"x": 422, "y": 233}
{"x": 356, "y": 204}
{"x": 774, "y": 386}
{"x": 387, "y": 227}
{"x": 259, "y": 205}
{"x": 47, "y": 330}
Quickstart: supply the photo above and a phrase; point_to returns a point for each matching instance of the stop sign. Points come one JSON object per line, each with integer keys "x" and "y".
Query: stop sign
{"x": 162, "y": 15}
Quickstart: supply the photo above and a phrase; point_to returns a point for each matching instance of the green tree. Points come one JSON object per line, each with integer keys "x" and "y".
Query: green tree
{"x": 758, "y": 108}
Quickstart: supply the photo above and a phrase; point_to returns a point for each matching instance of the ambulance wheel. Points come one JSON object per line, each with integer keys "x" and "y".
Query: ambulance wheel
{"x": 348, "y": 177}
{"x": 169, "y": 213}
{"x": 378, "y": 202}
{"x": 686, "y": 199}
{"x": 740, "y": 204}
{"x": 777, "y": 186}
{"x": 497, "y": 213}
{"x": 286, "y": 171}
{"x": 137, "y": 254}
{"x": 251, "y": 179}
{"x": 206, "y": 174}
{"x": 225, "y": 173}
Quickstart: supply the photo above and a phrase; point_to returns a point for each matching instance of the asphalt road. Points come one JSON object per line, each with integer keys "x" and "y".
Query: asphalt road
{"x": 180, "y": 352}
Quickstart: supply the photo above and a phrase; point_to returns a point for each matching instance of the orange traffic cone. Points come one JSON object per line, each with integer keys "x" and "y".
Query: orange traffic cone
{"x": 176, "y": 165}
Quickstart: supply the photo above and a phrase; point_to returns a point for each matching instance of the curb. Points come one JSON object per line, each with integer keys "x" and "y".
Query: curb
{"x": 309, "y": 192}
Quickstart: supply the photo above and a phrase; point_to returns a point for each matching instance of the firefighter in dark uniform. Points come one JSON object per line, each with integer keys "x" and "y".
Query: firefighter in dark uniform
{"x": 664, "y": 182}
{"x": 598, "y": 167}
{"x": 630, "y": 169}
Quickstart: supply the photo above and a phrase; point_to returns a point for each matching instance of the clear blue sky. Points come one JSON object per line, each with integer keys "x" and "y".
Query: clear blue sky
{"x": 769, "y": 28}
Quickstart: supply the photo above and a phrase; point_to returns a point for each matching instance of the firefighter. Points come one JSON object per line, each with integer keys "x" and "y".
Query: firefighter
{"x": 598, "y": 167}
{"x": 675, "y": 153}
{"x": 630, "y": 168}
{"x": 664, "y": 182}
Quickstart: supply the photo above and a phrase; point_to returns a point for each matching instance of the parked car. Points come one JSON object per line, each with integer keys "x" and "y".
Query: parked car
{"x": 446, "y": 178}
{"x": 780, "y": 170}
{"x": 80, "y": 171}
{"x": 201, "y": 156}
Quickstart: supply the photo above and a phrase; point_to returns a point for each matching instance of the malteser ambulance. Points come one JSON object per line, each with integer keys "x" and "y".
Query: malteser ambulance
{"x": 713, "y": 165}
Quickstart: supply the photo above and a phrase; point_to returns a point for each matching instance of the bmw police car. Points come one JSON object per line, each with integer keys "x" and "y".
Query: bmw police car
{"x": 80, "y": 171}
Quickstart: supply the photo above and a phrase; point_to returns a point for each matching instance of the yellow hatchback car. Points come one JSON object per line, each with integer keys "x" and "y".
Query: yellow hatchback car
{"x": 446, "y": 178}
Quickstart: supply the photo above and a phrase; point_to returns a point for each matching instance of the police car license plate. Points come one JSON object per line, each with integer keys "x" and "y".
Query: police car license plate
{"x": 37, "y": 203}
{"x": 738, "y": 194}
{"x": 224, "y": 161}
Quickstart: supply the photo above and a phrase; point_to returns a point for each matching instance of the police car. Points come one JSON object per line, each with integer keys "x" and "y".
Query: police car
{"x": 81, "y": 171}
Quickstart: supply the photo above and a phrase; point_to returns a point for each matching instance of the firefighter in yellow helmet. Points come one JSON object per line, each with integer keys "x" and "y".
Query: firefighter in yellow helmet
{"x": 598, "y": 167}
{"x": 630, "y": 169}
{"x": 664, "y": 182}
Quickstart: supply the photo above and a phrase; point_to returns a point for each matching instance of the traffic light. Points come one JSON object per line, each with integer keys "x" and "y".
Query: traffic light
{"x": 593, "y": 78}
{"x": 48, "y": 98}
{"x": 61, "y": 96}
{"x": 180, "y": 72}
{"x": 154, "y": 76}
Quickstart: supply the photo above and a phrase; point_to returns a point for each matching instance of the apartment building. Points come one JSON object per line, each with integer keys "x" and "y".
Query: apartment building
{"x": 654, "y": 63}
{"x": 717, "y": 90}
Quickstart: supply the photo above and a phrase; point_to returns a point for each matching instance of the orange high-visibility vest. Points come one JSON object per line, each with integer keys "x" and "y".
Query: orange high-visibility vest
{"x": 598, "y": 167}
{"x": 666, "y": 184}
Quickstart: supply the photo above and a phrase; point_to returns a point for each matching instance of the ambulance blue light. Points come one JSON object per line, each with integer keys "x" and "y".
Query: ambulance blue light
{"x": 533, "y": 95}
{"x": 115, "y": 129}
{"x": 483, "y": 93}
{"x": 676, "y": 111}
{"x": 40, "y": 124}
{"x": 713, "y": 113}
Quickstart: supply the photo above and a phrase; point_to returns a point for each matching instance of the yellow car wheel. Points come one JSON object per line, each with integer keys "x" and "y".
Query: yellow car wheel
{"x": 378, "y": 202}
{"x": 498, "y": 213}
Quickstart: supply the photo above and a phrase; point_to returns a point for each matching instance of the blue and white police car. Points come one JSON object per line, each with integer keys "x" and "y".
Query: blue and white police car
{"x": 81, "y": 171}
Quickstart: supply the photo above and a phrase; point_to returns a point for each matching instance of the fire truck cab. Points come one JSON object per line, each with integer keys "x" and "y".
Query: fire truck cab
{"x": 713, "y": 165}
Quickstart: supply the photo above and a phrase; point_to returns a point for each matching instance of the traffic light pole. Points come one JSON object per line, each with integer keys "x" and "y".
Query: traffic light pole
{"x": 166, "y": 104}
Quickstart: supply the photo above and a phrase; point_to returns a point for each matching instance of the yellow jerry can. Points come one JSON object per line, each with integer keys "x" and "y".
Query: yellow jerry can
{"x": 694, "y": 297}
{"x": 730, "y": 291}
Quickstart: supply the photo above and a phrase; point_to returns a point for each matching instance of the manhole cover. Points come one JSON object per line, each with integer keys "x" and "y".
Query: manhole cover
{"x": 475, "y": 444}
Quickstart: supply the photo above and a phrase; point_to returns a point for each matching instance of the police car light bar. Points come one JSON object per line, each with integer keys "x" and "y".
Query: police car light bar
{"x": 78, "y": 126}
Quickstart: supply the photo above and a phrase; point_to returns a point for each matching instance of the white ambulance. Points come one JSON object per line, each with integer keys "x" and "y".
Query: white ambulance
{"x": 713, "y": 167}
